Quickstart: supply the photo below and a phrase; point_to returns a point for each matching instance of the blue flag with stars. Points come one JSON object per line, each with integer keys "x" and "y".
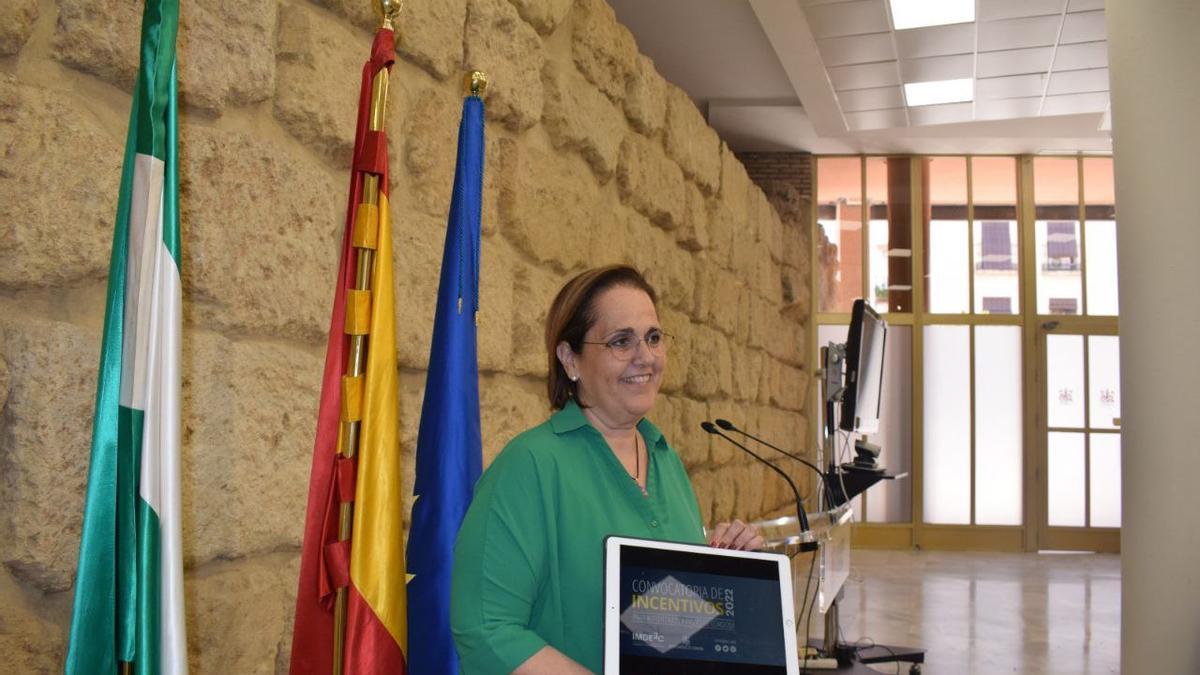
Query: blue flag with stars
{"x": 449, "y": 446}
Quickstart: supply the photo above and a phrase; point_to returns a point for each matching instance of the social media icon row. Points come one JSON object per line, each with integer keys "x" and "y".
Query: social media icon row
{"x": 731, "y": 649}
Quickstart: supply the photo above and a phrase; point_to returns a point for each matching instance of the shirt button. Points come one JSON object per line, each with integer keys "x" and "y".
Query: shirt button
{"x": 654, "y": 523}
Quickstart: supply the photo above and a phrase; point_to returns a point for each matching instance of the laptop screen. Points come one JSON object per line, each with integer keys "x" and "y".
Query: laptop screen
{"x": 691, "y": 609}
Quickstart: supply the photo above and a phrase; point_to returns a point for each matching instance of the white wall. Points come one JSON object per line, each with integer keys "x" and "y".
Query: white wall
{"x": 1154, "y": 55}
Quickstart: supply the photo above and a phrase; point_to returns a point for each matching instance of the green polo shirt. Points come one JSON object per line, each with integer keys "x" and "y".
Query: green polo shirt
{"x": 529, "y": 559}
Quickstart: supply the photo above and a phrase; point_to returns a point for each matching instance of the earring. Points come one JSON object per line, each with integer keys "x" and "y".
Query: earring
{"x": 574, "y": 378}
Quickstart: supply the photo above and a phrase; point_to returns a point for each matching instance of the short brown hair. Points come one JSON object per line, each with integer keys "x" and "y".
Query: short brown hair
{"x": 572, "y": 315}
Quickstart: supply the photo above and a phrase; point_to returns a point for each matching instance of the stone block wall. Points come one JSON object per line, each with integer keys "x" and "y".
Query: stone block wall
{"x": 591, "y": 158}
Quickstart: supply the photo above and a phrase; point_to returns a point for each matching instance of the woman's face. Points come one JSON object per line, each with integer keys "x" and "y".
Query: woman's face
{"x": 618, "y": 388}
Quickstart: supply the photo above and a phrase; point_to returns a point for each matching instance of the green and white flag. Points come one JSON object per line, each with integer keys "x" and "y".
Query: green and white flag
{"x": 129, "y": 583}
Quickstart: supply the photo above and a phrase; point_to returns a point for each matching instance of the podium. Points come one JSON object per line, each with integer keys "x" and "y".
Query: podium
{"x": 828, "y": 571}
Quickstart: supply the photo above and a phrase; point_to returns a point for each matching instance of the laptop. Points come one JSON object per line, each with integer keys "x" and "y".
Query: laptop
{"x": 688, "y": 609}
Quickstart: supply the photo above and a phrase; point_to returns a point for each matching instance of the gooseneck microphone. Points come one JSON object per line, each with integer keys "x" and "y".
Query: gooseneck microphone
{"x": 729, "y": 426}
{"x": 800, "y": 515}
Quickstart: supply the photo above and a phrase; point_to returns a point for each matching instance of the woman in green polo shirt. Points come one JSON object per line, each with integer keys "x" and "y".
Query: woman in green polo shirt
{"x": 529, "y": 560}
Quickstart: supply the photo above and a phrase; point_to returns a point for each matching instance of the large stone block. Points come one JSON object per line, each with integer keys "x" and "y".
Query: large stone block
{"x": 691, "y": 142}
{"x": 239, "y": 614}
{"x": 534, "y": 289}
{"x": 496, "y": 304}
{"x": 789, "y": 386}
{"x": 30, "y": 643}
{"x": 722, "y": 452}
{"x": 17, "y": 18}
{"x": 748, "y": 485}
{"x": 316, "y": 92}
{"x": 45, "y": 447}
{"x": 604, "y": 50}
{"x": 548, "y": 203}
{"x": 428, "y": 34}
{"x": 692, "y": 233}
{"x": 226, "y": 49}
{"x": 785, "y": 338}
{"x": 735, "y": 182}
{"x": 748, "y": 372}
{"x": 718, "y": 293}
{"x": 692, "y": 441}
{"x": 45, "y": 143}
{"x": 679, "y": 354}
{"x": 581, "y": 119}
{"x": 723, "y": 224}
{"x": 613, "y": 235}
{"x": 509, "y": 50}
{"x": 671, "y": 270}
{"x": 724, "y": 494}
{"x": 711, "y": 371}
{"x": 430, "y": 133}
{"x": 650, "y": 182}
{"x": 262, "y": 229}
{"x": 544, "y": 15}
{"x": 419, "y": 241}
{"x": 509, "y": 405}
{"x": 646, "y": 97}
{"x": 249, "y": 415}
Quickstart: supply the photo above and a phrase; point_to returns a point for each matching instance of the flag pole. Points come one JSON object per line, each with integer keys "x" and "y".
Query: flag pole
{"x": 387, "y": 11}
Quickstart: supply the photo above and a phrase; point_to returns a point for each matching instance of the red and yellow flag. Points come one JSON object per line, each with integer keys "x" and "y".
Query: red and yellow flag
{"x": 370, "y": 565}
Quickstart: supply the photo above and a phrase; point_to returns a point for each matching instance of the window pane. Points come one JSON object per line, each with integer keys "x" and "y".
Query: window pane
{"x": 891, "y": 500}
{"x": 877, "y": 209}
{"x": 947, "y": 261}
{"x": 998, "y": 425}
{"x": 994, "y": 195}
{"x": 1105, "y": 470}
{"x": 1064, "y": 380}
{"x": 1056, "y": 235}
{"x": 947, "y": 421}
{"x": 1104, "y": 380}
{"x": 839, "y": 215}
{"x": 1064, "y": 479}
{"x": 1102, "y": 267}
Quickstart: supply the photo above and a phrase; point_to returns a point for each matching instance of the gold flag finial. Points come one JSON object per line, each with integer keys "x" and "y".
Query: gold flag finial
{"x": 475, "y": 83}
{"x": 387, "y": 11}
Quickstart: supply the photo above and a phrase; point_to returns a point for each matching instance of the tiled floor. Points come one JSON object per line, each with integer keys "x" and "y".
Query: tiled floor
{"x": 989, "y": 612}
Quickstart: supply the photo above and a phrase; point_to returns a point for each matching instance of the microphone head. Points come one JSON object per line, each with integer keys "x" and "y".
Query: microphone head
{"x": 726, "y": 425}
{"x": 708, "y": 426}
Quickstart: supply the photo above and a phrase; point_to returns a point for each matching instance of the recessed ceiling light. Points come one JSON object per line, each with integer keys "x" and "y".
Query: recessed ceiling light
{"x": 940, "y": 91}
{"x": 920, "y": 13}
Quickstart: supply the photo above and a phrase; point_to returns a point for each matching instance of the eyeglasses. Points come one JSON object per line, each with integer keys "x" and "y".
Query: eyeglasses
{"x": 624, "y": 345}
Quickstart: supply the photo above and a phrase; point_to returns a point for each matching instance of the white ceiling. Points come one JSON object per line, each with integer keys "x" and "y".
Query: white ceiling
{"x": 828, "y": 75}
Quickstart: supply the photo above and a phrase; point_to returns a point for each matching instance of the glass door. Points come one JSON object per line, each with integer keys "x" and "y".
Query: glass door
{"x": 1080, "y": 438}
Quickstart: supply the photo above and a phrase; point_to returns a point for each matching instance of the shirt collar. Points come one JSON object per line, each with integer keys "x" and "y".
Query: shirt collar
{"x": 571, "y": 418}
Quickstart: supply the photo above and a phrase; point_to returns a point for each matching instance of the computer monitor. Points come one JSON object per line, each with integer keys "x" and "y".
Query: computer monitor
{"x": 864, "y": 370}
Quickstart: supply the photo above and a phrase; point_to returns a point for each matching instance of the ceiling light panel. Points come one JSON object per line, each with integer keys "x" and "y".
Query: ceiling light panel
{"x": 937, "y": 68}
{"x": 842, "y": 51}
{"x": 908, "y": 14}
{"x": 1037, "y": 31}
{"x": 847, "y": 18}
{"x": 937, "y": 41}
{"x": 943, "y": 91}
{"x": 1084, "y": 5}
{"x": 1083, "y": 27}
{"x": 1081, "y": 56}
{"x": 1015, "y": 62}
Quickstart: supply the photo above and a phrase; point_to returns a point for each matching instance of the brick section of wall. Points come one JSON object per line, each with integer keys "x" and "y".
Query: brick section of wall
{"x": 794, "y": 167}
